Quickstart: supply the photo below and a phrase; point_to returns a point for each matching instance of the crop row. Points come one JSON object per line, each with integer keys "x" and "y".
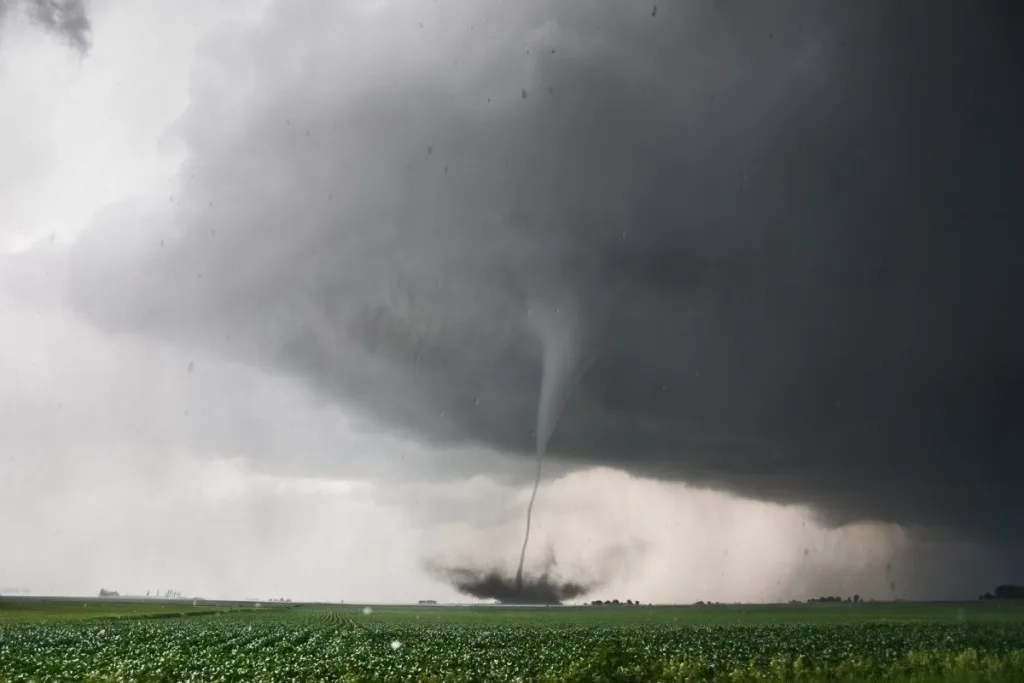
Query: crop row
{"x": 328, "y": 647}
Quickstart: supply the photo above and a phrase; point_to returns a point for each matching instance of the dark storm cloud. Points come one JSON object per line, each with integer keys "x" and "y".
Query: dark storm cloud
{"x": 787, "y": 235}
{"x": 69, "y": 18}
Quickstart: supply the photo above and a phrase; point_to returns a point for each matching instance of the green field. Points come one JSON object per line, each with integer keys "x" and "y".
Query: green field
{"x": 99, "y": 640}
{"x": 64, "y": 609}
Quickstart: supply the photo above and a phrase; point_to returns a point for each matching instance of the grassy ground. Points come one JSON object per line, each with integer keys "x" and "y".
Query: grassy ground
{"x": 991, "y": 611}
{"x": 101, "y": 641}
{"x": 22, "y": 609}
{"x": 49, "y": 609}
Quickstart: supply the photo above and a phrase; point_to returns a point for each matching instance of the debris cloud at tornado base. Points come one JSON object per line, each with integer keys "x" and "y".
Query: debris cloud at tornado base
{"x": 518, "y": 589}
{"x": 545, "y": 583}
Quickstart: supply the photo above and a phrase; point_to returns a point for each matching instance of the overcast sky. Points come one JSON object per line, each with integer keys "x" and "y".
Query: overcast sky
{"x": 279, "y": 283}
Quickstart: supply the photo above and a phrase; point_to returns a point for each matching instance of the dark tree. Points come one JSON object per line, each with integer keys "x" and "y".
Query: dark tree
{"x": 1008, "y": 592}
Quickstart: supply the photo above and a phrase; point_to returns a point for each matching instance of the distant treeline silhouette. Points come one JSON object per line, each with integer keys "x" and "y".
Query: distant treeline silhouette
{"x": 835, "y": 598}
{"x": 1005, "y": 592}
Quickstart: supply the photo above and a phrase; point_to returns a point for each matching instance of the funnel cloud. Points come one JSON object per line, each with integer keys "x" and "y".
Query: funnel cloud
{"x": 788, "y": 232}
{"x": 559, "y": 332}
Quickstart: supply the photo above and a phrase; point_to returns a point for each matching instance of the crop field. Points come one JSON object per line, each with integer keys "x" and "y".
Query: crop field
{"x": 98, "y": 641}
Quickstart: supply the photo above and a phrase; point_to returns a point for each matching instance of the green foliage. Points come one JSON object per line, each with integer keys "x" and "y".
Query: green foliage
{"x": 47, "y": 609}
{"x": 346, "y": 645}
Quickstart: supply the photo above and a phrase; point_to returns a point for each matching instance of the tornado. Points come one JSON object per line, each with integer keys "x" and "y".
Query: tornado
{"x": 563, "y": 364}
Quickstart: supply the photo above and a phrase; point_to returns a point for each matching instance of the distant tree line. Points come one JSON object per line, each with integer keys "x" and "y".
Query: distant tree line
{"x": 835, "y": 598}
{"x": 1005, "y": 592}
{"x": 701, "y": 603}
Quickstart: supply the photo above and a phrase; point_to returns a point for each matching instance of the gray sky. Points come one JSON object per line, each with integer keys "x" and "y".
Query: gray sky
{"x": 66, "y": 19}
{"x": 278, "y": 279}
